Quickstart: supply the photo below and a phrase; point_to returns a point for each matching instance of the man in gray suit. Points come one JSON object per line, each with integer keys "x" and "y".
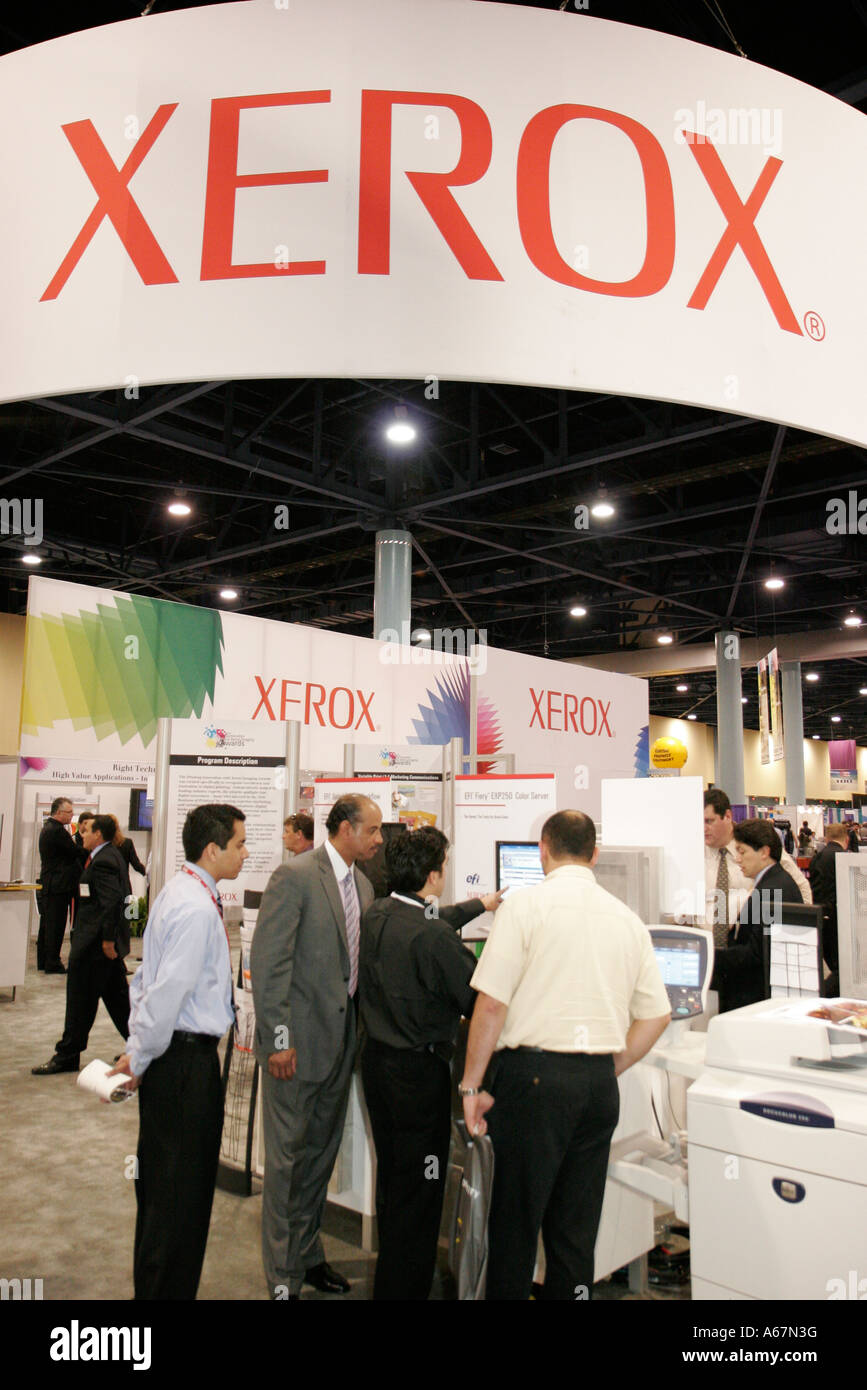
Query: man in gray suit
{"x": 304, "y": 967}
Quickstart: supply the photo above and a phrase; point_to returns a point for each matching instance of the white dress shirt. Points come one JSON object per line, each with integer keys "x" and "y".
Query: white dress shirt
{"x": 185, "y": 978}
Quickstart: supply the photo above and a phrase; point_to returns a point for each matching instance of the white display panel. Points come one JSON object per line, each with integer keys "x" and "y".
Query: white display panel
{"x": 488, "y": 809}
{"x": 667, "y": 812}
{"x": 239, "y": 763}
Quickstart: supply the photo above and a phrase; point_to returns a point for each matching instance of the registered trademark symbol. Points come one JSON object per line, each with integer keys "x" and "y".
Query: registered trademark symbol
{"x": 814, "y": 325}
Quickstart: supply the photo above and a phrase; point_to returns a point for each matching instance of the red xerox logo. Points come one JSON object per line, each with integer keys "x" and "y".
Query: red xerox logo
{"x": 336, "y": 708}
{"x": 561, "y": 712}
{"x": 532, "y": 193}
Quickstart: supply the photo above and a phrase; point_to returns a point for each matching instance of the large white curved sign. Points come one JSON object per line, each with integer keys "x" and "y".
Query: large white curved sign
{"x": 457, "y": 190}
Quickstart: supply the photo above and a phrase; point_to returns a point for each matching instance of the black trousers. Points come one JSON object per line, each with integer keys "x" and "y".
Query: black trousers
{"x": 180, "y": 1126}
{"x": 53, "y": 912}
{"x": 91, "y": 976}
{"x": 551, "y": 1128}
{"x": 408, "y": 1098}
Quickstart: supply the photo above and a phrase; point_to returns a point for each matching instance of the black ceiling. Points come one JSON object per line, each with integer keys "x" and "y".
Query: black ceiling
{"x": 707, "y": 504}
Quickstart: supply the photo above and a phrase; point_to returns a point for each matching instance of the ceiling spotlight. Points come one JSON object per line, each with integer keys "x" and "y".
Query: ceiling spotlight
{"x": 852, "y": 620}
{"x": 577, "y": 611}
{"x": 863, "y": 690}
{"x": 775, "y": 582}
{"x": 228, "y": 593}
{"x": 815, "y": 736}
{"x": 744, "y": 700}
{"x": 835, "y": 718}
{"x": 665, "y": 639}
{"x": 31, "y": 558}
{"x": 400, "y": 431}
{"x": 681, "y": 688}
{"x": 421, "y": 635}
{"x": 602, "y": 508}
{"x": 811, "y": 676}
{"x": 692, "y": 716}
{"x": 179, "y": 508}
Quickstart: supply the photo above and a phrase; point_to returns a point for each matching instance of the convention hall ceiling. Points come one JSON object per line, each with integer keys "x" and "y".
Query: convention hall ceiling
{"x": 708, "y": 505}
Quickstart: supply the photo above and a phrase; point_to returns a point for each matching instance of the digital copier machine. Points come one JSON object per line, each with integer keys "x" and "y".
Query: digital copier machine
{"x": 777, "y": 1125}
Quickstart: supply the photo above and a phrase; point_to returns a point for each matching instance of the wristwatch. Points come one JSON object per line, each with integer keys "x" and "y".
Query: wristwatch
{"x": 469, "y": 1090}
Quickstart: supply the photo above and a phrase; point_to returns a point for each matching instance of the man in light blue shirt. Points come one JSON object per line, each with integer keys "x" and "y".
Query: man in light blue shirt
{"x": 180, "y": 1007}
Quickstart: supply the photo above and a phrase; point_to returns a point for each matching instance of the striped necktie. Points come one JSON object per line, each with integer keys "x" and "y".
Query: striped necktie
{"x": 352, "y": 913}
{"x": 721, "y": 905}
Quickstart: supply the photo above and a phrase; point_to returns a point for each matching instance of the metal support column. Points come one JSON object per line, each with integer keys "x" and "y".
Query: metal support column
{"x": 730, "y": 721}
{"x": 161, "y": 806}
{"x": 392, "y": 585}
{"x": 793, "y": 734}
{"x": 291, "y": 770}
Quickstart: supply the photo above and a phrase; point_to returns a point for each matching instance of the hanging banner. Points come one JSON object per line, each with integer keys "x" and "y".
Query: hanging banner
{"x": 843, "y": 757}
{"x": 775, "y": 699}
{"x": 187, "y": 184}
{"x": 764, "y": 712}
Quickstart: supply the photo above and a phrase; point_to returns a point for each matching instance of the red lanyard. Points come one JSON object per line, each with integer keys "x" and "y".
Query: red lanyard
{"x": 215, "y": 901}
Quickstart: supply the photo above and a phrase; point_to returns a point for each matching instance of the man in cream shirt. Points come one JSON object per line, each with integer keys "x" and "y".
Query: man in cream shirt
{"x": 570, "y": 995}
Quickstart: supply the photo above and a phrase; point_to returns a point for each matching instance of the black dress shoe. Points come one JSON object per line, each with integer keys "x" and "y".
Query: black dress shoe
{"x": 326, "y": 1279}
{"x": 51, "y": 1068}
{"x": 54, "y": 970}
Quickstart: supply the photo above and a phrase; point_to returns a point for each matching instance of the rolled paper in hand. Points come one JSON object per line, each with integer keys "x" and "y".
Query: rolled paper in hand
{"x": 95, "y": 1079}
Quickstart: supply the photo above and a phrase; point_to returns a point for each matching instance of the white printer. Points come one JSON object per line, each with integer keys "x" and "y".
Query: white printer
{"x": 777, "y": 1127}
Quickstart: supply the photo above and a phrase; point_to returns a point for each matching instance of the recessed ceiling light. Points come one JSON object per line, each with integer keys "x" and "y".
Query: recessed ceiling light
{"x": 31, "y": 558}
{"x": 811, "y": 676}
{"x": 681, "y": 688}
{"x": 665, "y": 639}
{"x": 400, "y": 431}
{"x": 775, "y": 582}
{"x": 852, "y": 620}
{"x": 180, "y": 508}
{"x": 577, "y": 611}
{"x": 692, "y": 716}
{"x": 835, "y": 718}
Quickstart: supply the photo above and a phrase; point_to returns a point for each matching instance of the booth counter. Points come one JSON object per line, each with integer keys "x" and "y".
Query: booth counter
{"x": 15, "y": 903}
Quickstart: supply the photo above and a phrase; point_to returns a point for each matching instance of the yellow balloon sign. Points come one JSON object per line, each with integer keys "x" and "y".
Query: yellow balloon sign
{"x": 668, "y": 752}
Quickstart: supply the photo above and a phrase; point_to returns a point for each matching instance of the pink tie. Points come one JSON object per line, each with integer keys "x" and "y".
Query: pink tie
{"x": 353, "y": 918}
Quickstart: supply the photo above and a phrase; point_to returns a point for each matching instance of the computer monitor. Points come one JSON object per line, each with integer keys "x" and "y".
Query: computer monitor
{"x": 518, "y": 863}
{"x": 685, "y": 959}
{"x": 141, "y": 810}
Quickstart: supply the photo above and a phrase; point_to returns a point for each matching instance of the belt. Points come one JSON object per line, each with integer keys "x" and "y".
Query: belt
{"x": 180, "y": 1035}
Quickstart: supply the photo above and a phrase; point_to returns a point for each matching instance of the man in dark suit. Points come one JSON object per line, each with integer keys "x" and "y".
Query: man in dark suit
{"x": 823, "y": 881}
{"x": 414, "y": 985}
{"x": 740, "y": 972}
{"x": 304, "y": 965}
{"x": 100, "y": 940}
{"x": 59, "y": 879}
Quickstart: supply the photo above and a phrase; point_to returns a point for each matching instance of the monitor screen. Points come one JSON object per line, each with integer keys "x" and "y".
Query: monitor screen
{"x": 679, "y": 965}
{"x": 518, "y": 864}
{"x": 141, "y": 810}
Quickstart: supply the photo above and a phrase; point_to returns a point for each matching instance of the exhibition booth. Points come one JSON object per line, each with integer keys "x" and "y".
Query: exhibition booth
{"x": 322, "y": 167}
